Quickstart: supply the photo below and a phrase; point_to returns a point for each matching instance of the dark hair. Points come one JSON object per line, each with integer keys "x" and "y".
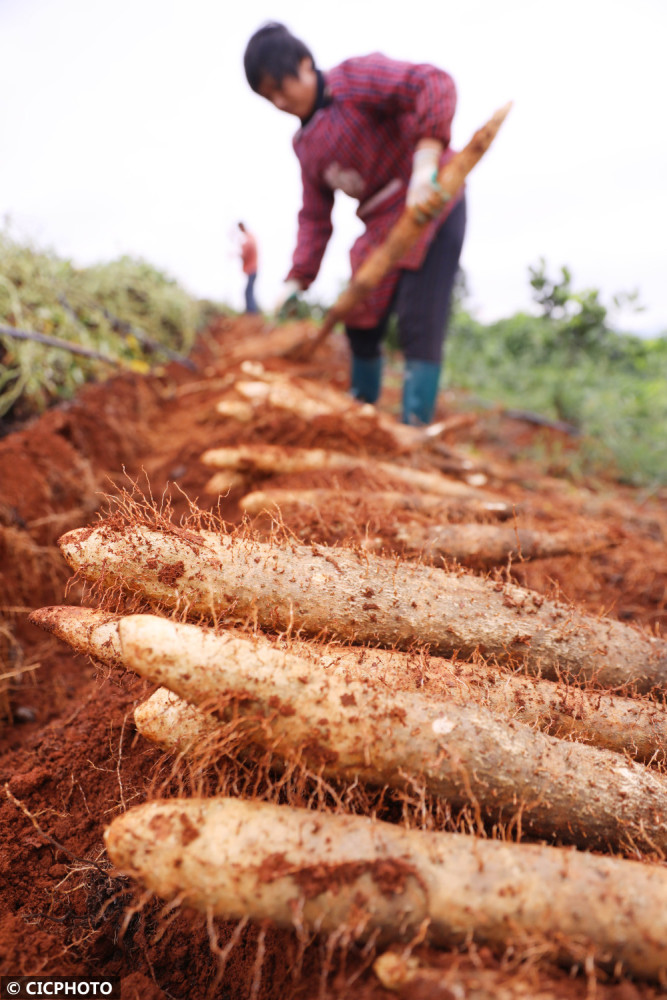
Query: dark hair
{"x": 273, "y": 51}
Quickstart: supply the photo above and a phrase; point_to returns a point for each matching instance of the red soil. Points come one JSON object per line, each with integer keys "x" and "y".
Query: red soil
{"x": 70, "y": 758}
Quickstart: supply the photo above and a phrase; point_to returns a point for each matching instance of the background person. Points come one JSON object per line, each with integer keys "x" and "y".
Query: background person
{"x": 249, "y": 262}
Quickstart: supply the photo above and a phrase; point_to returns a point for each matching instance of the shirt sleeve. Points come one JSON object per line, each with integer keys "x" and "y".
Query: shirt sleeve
{"x": 390, "y": 87}
{"x": 315, "y": 228}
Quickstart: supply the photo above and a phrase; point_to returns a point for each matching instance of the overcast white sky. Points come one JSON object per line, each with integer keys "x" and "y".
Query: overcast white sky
{"x": 129, "y": 128}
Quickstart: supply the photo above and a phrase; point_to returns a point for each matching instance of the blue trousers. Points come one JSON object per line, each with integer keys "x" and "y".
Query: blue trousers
{"x": 250, "y": 304}
{"x": 421, "y": 301}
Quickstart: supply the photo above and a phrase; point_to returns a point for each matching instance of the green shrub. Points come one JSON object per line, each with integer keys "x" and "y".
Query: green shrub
{"x": 570, "y": 365}
{"x": 125, "y": 310}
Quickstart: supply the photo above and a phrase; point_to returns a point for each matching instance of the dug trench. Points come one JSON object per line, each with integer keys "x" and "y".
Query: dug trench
{"x": 71, "y": 757}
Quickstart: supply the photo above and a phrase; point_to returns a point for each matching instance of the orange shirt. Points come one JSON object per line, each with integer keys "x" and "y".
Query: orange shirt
{"x": 249, "y": 253}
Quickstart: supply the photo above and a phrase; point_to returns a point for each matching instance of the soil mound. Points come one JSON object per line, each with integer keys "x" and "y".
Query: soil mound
{"x": 70, "y": 756}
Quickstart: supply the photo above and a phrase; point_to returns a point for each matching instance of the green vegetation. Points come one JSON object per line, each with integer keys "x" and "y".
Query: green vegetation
{"x": 126, "y": 311}
{"x": 566, "y": 363}
{"x": 569, "y": 364}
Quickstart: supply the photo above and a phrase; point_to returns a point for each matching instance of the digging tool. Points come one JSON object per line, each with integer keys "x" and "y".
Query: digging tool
{"x": 403, "y": 235}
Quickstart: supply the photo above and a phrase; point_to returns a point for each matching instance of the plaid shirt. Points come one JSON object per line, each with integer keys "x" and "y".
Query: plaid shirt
{"x": 362, "y": 143}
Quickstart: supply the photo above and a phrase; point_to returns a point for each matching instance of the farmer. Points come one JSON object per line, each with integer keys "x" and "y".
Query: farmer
{"x": 378, "y": 130}
{"x": 249, "y": 262}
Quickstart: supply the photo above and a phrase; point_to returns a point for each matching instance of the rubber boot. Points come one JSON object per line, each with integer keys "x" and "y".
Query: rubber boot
{"x": 420, "y": 389}
{"x": 366, "y": 377}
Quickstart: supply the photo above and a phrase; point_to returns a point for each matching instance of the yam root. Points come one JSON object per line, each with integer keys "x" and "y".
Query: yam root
{"x": 351, "y": 730}
{"x": 275, "y": 460}
{"x": 172, "y": 722}
{"x": 389, "y": 501}
{"x": 486, "y": 545}
{"x": 404, "y": 975}
{"x": 363, "y": 598}
{"x": 333, "y": 873}
{"x": 474, "y": 545}
{"x": 87, "y": 630}
{"x": 310, "y": 399}
{"x": 633, "y": 726}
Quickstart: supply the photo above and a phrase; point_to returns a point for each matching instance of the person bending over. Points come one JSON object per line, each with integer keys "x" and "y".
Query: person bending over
{"x": 379, "y": 130}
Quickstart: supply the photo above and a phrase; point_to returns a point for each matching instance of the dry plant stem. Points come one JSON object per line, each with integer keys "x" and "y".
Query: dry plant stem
{"x": 288, "y": 501}
{"x": 634, "y": 726}
{"x": 351, "y": 730}
{"x": 364, "y": 599}
{"x": 275, "y": 460}
{"x": 247, "y": 858}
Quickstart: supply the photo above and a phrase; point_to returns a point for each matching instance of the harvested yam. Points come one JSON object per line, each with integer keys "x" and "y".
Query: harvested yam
{"x": 354, "y": 875}
{"x": 283, "y": 394}
{"x": 363, "y": 598}
{"x": 223, "y": 482}
{"x": 164, "y": 718}
{"x": 633, "y": 726}
{"x": 276, "y": 460}
{"x": 235, "y": 409}
{"x": 173, "y": 723}
{"x": 309, "y": 400}
{"x": 475, "y": 545}
{"x": 488, "y": 545}
{"x": 351, "y": 730}
{"x": 390, "y": 500}
{"x": 87, "y": 631}
{"x": 404, "y": 233}
{"x": 403, "y": 974}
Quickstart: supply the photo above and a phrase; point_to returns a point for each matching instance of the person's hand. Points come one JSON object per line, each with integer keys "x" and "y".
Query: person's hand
{"x": 287, "y": 300}
{"x": 424, "y": 193}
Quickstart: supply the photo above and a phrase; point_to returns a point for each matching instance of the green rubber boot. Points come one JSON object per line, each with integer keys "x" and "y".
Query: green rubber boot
{"x": 366, "y": 379}
{"x": 420, "y": 390}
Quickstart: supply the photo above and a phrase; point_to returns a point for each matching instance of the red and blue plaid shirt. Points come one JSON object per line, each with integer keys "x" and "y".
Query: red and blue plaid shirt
{"x": 362, "y": 142}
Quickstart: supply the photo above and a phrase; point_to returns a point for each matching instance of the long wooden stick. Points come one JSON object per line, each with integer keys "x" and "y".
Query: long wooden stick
{"x": 407, "y": 230}
{"x": 341, "y": 873}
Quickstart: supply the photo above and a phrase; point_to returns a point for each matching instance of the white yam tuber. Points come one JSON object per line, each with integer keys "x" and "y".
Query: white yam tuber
{"x": 325, "y": 873}
{"x": 172, "y": 722}
{"x": 353, "y": 730}
{"x": 633, "y": 726}
{"x": 365, "y": 599}
{"x": 403, "y": 974}
{"x": 288, "y": 501}
{"x": 275, "y": 460}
